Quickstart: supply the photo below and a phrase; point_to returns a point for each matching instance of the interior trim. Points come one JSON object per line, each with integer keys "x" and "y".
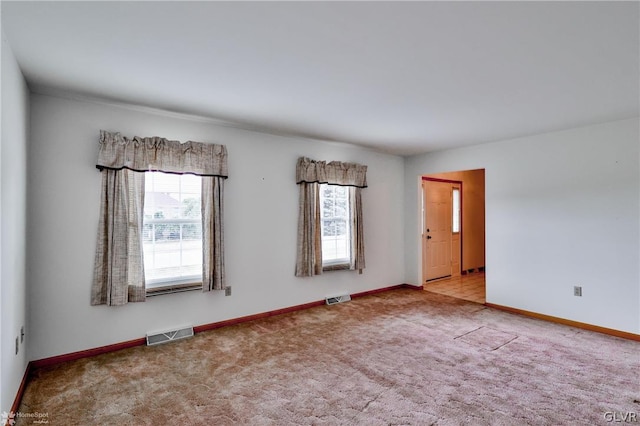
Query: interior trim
{"x": 87, "y": 353}
{"x": 211, "y": 326}
{"x": 234, "y": 321}
{"x": 23, "y": 384}
{"x": 197, "y": 329}
{"x": 571, "y": 323}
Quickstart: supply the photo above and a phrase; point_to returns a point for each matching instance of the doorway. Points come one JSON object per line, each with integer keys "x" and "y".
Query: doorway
{"x": 453, "y": 233}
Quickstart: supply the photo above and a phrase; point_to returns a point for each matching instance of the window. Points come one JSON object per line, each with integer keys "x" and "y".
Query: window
{"x": 160, "y": 228}
{"x": 455, "y": 223}
{"x": 330, "y": 225}
{"x": 172, "y": 229}
{"x": 335, "y": 224}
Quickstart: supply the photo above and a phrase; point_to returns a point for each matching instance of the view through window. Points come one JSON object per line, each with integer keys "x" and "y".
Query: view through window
{"x": 172, "y": 235}
{"x": 336, "y": 231}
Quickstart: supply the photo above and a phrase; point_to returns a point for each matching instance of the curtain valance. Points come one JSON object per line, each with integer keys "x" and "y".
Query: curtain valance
{"x": 334, "y": 173}
{"x": 159, "y": 154}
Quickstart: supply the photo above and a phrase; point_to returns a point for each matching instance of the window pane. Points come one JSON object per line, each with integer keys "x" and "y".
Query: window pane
{"x": 455, "y": 224}
{"x": 336, "y": 233}
{"x": 172, "y": 235}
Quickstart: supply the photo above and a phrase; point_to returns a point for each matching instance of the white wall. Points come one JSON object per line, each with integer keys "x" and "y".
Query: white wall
{"x": 562, "y": 209}
{"x": 261, "y": 200}
{"x": 13, "y": 183}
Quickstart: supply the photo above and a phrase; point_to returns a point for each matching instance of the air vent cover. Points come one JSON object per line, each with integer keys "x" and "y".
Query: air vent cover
{"x": 337, "y": 299}
{"x": 159, "y": 337}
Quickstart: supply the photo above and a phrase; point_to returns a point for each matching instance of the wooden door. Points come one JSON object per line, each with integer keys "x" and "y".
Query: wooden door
{"x": 436, "y": 234}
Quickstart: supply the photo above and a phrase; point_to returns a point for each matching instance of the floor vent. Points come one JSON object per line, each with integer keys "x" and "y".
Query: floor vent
{"x": 338, "y": 299}
{"x": 159, "y": 337}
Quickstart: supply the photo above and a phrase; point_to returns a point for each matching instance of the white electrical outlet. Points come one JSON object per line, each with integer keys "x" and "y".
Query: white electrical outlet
{"x": 577, "y": 290}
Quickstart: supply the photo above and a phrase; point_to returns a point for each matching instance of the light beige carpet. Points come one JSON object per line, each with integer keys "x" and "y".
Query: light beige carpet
{"x": 403, "y": 357}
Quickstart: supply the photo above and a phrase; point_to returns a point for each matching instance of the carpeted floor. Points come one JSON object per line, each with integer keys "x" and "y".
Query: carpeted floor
{"x": 402, "y": 357}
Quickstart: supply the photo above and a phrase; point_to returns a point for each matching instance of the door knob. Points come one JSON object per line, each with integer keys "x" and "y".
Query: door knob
{"x": 428, "y": 237}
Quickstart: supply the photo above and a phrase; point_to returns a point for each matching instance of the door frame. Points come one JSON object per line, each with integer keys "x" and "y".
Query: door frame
{"x": 422, "y": 207}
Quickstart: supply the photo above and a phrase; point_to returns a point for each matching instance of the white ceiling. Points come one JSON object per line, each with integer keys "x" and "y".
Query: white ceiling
{"x": 404, "y": 78}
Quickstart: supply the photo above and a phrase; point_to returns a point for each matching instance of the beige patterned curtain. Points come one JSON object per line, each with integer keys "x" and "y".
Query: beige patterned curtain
{"x": 162, "y": 155}
{"x": 334, "y": 173}
{"x": 357, "y": 230}
{"x": 309, "y": 175}
{"x": 119, "y": 269}
{"x": 213, "y": 277}
{"x": 119, "y": 264}
{"x": 309, "y": 258}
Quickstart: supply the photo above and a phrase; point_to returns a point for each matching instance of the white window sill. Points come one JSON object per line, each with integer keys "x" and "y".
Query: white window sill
{"x": 170, "y": 288}
{"x": 336, "y": 267}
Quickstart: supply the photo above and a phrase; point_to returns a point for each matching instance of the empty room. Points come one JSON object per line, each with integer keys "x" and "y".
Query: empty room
{"x": 328, "y": 213}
